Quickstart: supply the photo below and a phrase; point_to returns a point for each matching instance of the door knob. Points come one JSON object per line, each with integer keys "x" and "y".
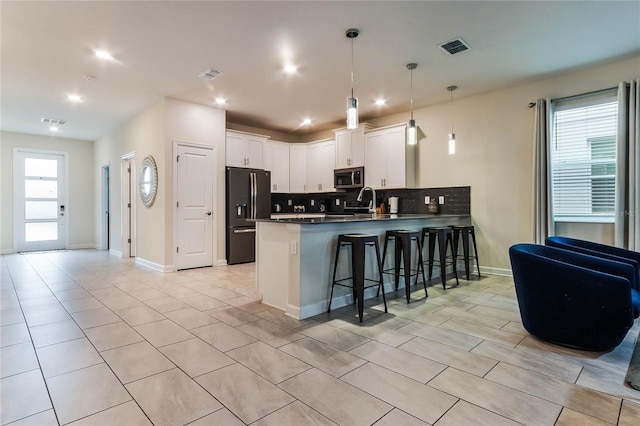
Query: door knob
{"x": 208, "y": 213}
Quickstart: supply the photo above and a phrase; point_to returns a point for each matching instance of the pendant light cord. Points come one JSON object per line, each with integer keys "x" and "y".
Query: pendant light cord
{"x": 412, "y": 93}
{"x": 451, "y": 89}
{"x": 451, "y": 92}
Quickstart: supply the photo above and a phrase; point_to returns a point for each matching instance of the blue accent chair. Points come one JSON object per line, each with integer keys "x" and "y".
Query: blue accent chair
{"x": 599, "y": 250}
{"x": 573, "y": 299}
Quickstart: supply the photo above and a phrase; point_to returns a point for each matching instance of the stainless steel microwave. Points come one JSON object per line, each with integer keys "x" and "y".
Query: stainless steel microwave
{"x": 348, "y": 178}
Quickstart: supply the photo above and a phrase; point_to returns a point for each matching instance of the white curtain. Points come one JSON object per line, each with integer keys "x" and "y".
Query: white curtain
{"x": 627, "y": 226}
{"x": 543, "y": 225}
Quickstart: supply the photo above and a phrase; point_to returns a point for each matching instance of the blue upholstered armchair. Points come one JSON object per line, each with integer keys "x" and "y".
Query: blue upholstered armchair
{"x": 599, "y": 250}
{"x": 574, "y": 299}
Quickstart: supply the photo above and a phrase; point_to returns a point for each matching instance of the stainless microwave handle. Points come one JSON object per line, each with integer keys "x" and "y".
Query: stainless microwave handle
{"x": 353, "y": 178}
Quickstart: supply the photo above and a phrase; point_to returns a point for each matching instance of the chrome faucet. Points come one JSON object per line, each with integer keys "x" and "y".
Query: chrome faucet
{"x": 372, "y": 207}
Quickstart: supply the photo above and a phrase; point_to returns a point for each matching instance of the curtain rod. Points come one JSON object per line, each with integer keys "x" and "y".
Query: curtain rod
{"x": 595, "y": 92}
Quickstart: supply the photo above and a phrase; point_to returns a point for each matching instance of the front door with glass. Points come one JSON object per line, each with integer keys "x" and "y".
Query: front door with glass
{"x": 40, "y": 208}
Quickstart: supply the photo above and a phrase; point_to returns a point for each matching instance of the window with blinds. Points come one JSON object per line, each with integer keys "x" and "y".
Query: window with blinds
{"x": 583, "y": 158}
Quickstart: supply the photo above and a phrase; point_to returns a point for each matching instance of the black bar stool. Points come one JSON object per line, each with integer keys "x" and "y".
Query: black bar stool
{"x": 402, "y": 244}
{"x": 444, "y": 238}
{"x": 465, "y": 231}
{"x": 358, "y": 242}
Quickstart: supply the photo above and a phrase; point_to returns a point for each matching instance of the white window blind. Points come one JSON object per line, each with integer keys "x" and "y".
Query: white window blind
{"x": 583, "y": 158}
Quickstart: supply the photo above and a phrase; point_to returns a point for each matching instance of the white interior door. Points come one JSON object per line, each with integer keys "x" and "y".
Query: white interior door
{"x": 40, "y": 207}
{"x": 194, "y": 203}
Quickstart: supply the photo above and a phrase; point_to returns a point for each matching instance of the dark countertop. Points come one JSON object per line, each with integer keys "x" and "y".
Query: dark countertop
{"x": 357, "y": 218}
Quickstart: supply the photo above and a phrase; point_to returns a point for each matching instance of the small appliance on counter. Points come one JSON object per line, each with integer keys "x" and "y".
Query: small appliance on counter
{"x": 348, "y": 178}
{"x": 248, "y": 197}
{"x": 393, "y": 205}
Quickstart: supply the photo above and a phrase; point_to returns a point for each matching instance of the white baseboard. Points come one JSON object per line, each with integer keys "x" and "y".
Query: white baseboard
{"x": 114, "y": 252}
{"x": 81, "y": 246}
{"x": 8, "y": 251}
{"x": 155, "y": 266}
{"x": 220, "y": 262}
{"x": 495, "y": 271}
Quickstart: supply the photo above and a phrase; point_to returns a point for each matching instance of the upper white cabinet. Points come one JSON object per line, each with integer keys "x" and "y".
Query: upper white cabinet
{"x": 245, "y": 149}
{"x": 389, "y": 161}
{"x": 276, "y": 160}
{"x": 320, "y": 164}
{"x": 298, "y": 168}
{"x": 349, "y": 148}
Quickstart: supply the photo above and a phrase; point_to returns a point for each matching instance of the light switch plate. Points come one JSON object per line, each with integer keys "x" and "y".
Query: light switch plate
{"x": 289, "y": 202}
{"x": 337, "y": 201}
{"x": 313, "y": 203}
{"x": 294, "y": 247}
{"x": 441, "y": 199}
{"x": 427, "y": 199}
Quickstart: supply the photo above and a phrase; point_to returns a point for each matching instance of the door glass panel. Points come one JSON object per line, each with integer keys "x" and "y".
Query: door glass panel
{"x": 40, "y": 167}
{"x": 40, "y": 210}
{"x": 43, "y": 231}
{"x": 40, "y": 188}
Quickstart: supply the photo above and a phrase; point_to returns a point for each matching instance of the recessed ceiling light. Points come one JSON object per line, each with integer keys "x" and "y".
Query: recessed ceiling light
{"x": 103, "y": 54}
{"x": 75, "y": 98}
{"x": 380, "y": 102}
{"x": 290, "y": 68}
{"x": 221, "y": 101}
{"x": 53, "y": 128}
{"x": 306, "y": 122}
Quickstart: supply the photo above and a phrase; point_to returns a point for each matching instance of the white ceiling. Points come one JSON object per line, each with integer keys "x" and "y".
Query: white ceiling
{"x": 161, "y": 47}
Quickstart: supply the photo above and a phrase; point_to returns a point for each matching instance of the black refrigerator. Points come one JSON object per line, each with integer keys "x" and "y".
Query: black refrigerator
{"x": 248, "y": 197}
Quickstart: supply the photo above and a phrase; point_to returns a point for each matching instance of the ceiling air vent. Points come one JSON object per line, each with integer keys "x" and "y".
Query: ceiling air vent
{"x": 209, "y": 74}
{"x": 53, "y": 121}
{"x": 455, "y": 46}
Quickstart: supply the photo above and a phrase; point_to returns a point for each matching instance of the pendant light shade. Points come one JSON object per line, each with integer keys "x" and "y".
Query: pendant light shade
{"x": 352, "y": 112}
{"x": 412, "y": 131}
{"x": 452, "y": 136}
{"x": 352, "y": 101}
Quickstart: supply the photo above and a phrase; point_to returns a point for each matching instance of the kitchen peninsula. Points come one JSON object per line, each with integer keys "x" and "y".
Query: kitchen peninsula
{"x": 294, "y": 256}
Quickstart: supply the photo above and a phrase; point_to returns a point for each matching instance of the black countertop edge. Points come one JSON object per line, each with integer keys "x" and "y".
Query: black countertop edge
{"x": 360, "y": 218}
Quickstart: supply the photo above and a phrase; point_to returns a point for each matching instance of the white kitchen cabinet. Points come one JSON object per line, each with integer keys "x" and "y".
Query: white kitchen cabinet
{"x": 277, "y": 161}
{"x": 320, "y": 163}
{"x": 245, "y": 149}
{"x": 389, "y": 161}
{"x": 349, "y": 149}
{"x": 297, "y": 168}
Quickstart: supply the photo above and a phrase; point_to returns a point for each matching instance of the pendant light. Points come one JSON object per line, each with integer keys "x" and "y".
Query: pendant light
{"x": 452, "y": 136}
{"x": 352, "y": 101}
{"x": 412, "y": 131}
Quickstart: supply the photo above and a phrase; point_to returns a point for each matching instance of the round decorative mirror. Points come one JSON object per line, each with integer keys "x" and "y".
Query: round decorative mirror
{"x": 148, "y": 183}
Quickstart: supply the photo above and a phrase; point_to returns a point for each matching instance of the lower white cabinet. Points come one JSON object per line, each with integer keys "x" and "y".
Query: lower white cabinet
{"x": 389, "y": 161}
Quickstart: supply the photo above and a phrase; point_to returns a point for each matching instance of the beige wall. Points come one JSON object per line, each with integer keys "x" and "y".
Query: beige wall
{"x": 494, "y": 133}
{"x": 144, "y": 135}
{"x": 153, "y": 132}
{"x": 80, "y": 182}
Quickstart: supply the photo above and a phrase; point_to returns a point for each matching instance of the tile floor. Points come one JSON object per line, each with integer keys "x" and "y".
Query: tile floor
{"x": 91, "y": 339}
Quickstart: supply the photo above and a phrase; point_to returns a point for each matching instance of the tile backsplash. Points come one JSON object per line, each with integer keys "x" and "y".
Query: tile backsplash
{"x": 457, "y": 200}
